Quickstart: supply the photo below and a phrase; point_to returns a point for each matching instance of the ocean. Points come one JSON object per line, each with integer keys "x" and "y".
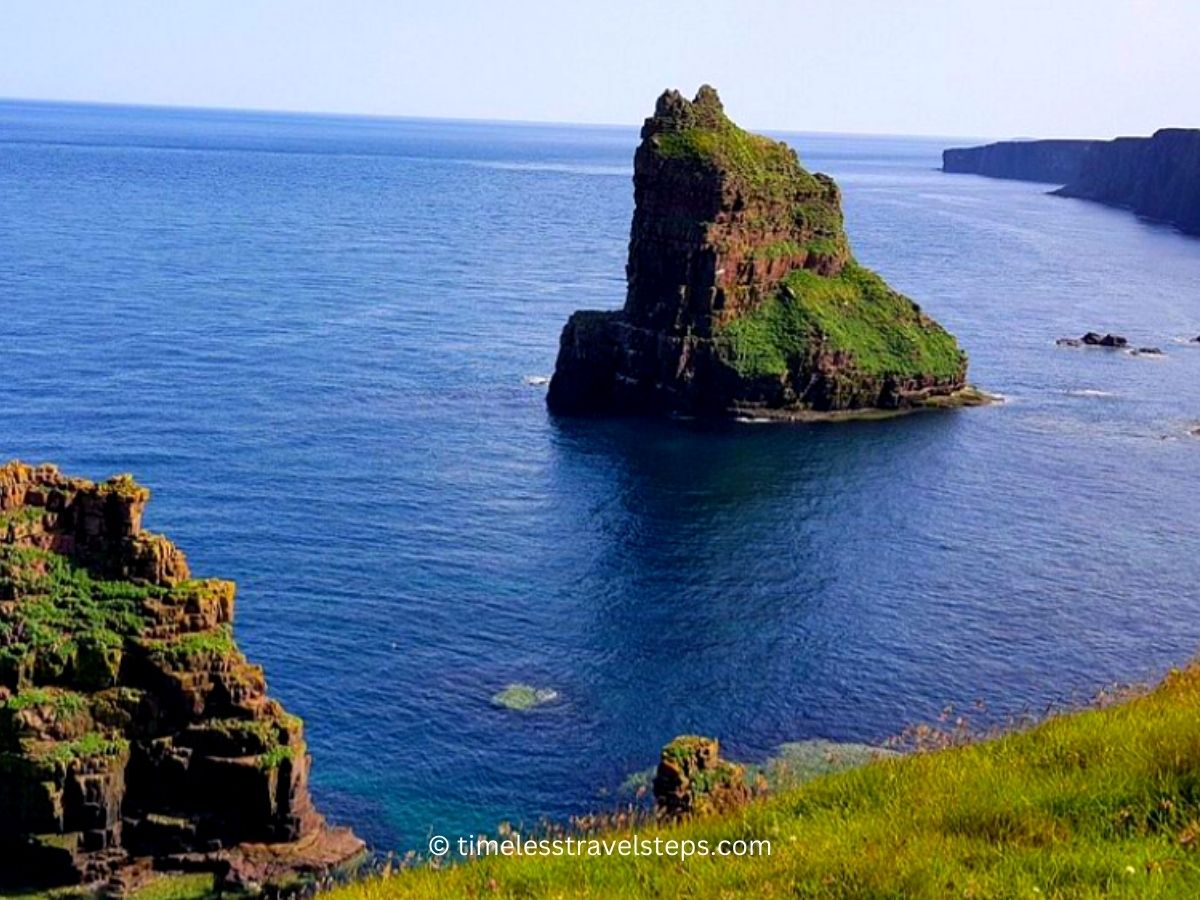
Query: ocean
{"x": 321, "y": 341}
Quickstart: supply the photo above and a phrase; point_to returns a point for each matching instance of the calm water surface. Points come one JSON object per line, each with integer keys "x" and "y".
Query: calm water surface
{"x": 311, "y": 337}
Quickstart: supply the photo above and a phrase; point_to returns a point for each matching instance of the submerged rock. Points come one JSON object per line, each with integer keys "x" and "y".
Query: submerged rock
{"x": 743, "y": 296}
{"x": 1147, "y": 351}
{"x": 133, "y": 732}
{"x": 692, "y": 779}
{"x": 523, "y": 697}
{"x": 800, "y": 761}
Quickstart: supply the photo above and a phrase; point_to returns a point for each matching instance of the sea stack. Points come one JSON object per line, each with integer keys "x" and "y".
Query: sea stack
{"x": 743, "y": 296}
{"x": 134, "y": 735}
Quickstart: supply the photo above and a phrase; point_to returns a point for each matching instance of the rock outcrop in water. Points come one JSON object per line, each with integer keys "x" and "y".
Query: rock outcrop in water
{"x": 693, "y": 779}
{"x": 133, "y": 732}
{"x": 1052, "y": 161}
{"x": 1093, "y": 339}
{"x": 743, "y": 296}
{"x": 1156, "y": 177}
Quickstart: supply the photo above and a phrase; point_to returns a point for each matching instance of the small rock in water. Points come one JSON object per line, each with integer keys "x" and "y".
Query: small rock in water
{"x": 537, "y": 380}
{"x": 692, "y": 778}
{"x": 523, "y": 697}
{"x": 1092, "y": 339}
{"x": 1195, "y": 340}
{"x": 1109, "y": 340}
{"x": 1147, "y": 351}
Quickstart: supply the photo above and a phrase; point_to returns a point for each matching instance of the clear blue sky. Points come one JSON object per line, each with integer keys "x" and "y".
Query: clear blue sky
{"x": 946, "y": 67}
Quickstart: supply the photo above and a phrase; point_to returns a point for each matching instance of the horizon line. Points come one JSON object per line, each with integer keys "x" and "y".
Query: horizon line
{"x": 252, "y": 110}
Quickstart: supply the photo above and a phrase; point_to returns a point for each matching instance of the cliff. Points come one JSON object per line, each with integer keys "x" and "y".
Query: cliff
{"x": 743, "y": 295}
{"x": 1156, "y": 177}
{"x": 133, "y": 732}
{"x": 1055, "y": 162}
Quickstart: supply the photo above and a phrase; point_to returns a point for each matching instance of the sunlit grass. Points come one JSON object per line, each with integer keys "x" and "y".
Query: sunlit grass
{"x": 855, "y": 313}
{"x": 1104, "y": 802}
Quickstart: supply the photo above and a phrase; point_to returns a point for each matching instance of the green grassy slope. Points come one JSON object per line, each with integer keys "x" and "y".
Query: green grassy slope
{"x": 855, "y": 312}
{"x": 1104, "y": 802}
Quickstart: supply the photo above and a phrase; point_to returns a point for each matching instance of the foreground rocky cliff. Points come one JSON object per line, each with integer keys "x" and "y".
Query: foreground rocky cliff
{"x": 1156, "y": 177}
{"x": 1053, "y": 161}
{"x": 133, "y": 732}
{"x": 743, "y": 296}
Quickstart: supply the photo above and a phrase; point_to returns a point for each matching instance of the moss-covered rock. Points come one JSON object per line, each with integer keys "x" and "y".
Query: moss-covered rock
{"x": 693, "y": 779}
{"x": 131, "y": 725}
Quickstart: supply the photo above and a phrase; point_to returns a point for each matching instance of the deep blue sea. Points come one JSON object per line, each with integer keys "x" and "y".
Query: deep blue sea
{"x": 313, "y": 337}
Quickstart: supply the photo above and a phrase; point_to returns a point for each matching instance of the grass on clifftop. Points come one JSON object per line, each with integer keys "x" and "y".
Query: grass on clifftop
{"x": 856, "y": 312}
{"x": 714, "y": 140}
{"x": 758, "y": 160}
{"x": 1104, "y": 802}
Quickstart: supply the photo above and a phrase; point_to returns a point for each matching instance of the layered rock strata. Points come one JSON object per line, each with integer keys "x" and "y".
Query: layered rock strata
{"x": 133, "y": 732}
{"x": 743, "y": 295}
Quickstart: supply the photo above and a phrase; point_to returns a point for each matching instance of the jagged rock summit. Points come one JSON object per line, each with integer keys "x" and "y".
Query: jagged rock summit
{"x": 743, "y": 296}
{"x": 134, "y": 735}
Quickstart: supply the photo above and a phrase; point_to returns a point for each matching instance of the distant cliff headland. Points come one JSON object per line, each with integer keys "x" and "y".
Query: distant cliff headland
{"x": 1156, "y": 177}
{"x": 1054, "y": 162}
{"x": 743, "y": 296}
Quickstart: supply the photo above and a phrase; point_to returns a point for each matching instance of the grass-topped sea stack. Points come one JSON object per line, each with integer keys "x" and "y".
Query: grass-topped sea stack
{"x": 133, "y": 732}
{"x": 743, "y": 296}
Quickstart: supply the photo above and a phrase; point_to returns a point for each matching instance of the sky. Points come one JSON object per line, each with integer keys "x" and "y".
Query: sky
{"x": 1004, "y": 68}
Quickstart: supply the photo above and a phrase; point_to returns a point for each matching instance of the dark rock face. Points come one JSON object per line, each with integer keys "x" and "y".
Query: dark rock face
{"x": 1156, "y": 177}
{"x": 692, "y": 779}
{"x": 1108, "y": 340}
{"x": 1092, "y": 339}
{"x": 1053, "y": 161}
{"x": 133, "y": 732}
{"x": 742, "y": 292}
